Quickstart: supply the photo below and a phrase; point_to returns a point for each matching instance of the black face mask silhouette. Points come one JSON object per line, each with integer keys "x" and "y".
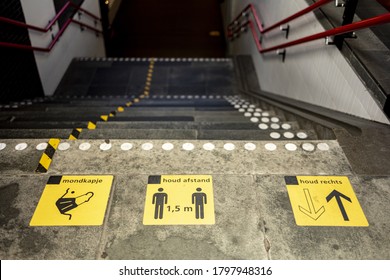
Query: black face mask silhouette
{"x": 65, "y": 204}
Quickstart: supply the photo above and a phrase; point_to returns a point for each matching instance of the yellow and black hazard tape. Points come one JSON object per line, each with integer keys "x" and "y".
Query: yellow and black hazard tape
{"x": 74, "y": 135}
{"x": 53, "y": 143}
{"x": 47, "y": 156}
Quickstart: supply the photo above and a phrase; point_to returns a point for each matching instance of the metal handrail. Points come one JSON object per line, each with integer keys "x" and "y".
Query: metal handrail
{"x": 49, "y": 27}
{"x": 53, "y": 42}
{"x": 382, "y": 19}
{"x": 260, "y": 26}
{"x": 51, "y": 22}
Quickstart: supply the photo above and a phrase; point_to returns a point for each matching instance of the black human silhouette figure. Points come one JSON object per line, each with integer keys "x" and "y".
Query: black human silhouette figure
{"x": 160, "y": 199}
{"x": 199, "y": 199}
{"x": 65, "y": 204}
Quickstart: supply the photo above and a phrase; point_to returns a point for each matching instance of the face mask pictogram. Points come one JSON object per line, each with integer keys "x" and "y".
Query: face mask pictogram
{"x": 65, "y": 204}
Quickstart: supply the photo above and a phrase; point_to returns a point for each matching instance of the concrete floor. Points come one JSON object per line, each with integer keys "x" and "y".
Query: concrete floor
{"x": 253, "y": 213}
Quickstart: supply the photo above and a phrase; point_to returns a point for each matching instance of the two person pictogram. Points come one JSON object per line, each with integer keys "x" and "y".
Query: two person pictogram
{"x": 160, "y": 199}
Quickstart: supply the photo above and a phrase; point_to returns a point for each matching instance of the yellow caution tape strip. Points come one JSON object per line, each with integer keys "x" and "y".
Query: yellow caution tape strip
{"x": 48, "y": 154}
{"x": 75, "y": 134}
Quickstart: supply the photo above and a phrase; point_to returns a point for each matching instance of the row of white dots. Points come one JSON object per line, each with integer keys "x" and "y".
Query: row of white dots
{"x": 187, "y": 96}
{"x": 169, "y": 146}
{"x": 257, "y": 115}
{"x": 161, "y": 59}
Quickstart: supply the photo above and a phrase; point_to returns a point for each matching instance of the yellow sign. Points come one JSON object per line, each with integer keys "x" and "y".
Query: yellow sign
{"x": 324, "y": 201}
{"x": 73, "y": 201}
{"x": 179, "y": 200}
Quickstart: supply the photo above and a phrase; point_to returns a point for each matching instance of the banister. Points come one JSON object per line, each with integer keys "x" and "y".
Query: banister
{"x": 298, "y": 14}
{"x": 259, "y": 24}
{"x": 382, "y": 19}
{"x": 53, "y": 42}
{"x": 48, "y": 27}
{"x": 51, "y": 22}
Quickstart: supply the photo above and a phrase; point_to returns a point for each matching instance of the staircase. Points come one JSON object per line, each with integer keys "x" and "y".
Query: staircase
{"x": 193, "y": 99}
{"x": 135, "y": 119}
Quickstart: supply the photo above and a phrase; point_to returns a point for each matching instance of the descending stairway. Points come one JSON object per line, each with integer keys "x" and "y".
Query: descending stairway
{"x": 134, "y": 119}
{"x": 185, "y": 99}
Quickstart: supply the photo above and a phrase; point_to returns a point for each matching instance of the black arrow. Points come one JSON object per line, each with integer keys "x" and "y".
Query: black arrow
{"x": 338, "y": 197}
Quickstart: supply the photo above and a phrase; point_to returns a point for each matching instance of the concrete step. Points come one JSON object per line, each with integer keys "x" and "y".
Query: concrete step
{"x": 130, "y": 112}
{"x": 176, "y": 125}
{"x": 96, "y": 117}
{"x": 34, "y": 133}
{"x": 142, "y": 125}
{"x": 208, "y": 134}
{"x": 42, "y": 125}
{"x": 107, "y": 133}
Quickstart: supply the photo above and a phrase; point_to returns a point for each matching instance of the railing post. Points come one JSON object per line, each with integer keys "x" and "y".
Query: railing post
{"x": 349, "y": 13}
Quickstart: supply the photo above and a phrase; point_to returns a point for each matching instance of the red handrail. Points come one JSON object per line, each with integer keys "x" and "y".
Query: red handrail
{"x": 382, "y": 19}
{"x": 52, "y": 43}
{"x": 51, "y": 22}
{"x": 48, "y": 27}
{"x": 273, "y": 26}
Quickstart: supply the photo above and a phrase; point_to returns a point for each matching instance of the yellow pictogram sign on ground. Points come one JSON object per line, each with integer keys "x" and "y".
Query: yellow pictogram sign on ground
{"x": 73, "y": 201}
{"x": 179, "y": 200}
{"x": 324, "y": 201}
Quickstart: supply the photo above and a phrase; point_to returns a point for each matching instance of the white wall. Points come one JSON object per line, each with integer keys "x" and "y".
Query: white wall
{"x": 313, "y": 72}
{"x": 73, "y": 43}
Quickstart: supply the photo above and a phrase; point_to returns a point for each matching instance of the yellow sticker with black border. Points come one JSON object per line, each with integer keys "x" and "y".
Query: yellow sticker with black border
{"x": 324, "y": 201}
{"x": 79, "y": 200}
{"x": 179, "y": 200}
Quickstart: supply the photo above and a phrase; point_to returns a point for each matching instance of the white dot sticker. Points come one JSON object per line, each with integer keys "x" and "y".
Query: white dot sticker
{"x": 21, "y": 146}
{"x": 105, "y": 146}
{"x": 209, "y": 146}
{"x": 250, "y": 146}
{"x": 188, "y": 146}
{"x": 167, "y": 146}
{"x": 229, "y": 146}
{"x": 254, "y": 119}
{"x": 147, "y": 146}
{"x": 257, "y": 114}
{"x": 286, "y": 126}
{"x": 241, "y": 110}
{"x": 291, "y": 147}
{"x": 275, "y": 126}
{"x": 237, "y": 106}
{"x": 275, "y": 135}
{"x": 302, "y": 135}
{"x": 266, "y": 114}
{"x": 274, "y": 119}
{"x": 263, "y": 126}
{"x": 63, "y": 146}
{"x": 308, "y": 147}
{"x": 247, "y": 114}
{"x": 288, "y": 135}
{"x": 265, "y": 120}
{"x": 323, "y": 147}
{"x": 258, "y": 110}
{"x": 250, "y": 110}
{"x": 126, "y": 146}
{"x": 84, "y": 146}
{"x": 270, "y": 147}
{"x": 41, "y": 146}
{"x": 2, "y": 146}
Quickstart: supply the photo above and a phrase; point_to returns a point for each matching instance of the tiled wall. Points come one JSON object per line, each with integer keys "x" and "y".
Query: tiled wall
{"x": 313, "y": 72}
